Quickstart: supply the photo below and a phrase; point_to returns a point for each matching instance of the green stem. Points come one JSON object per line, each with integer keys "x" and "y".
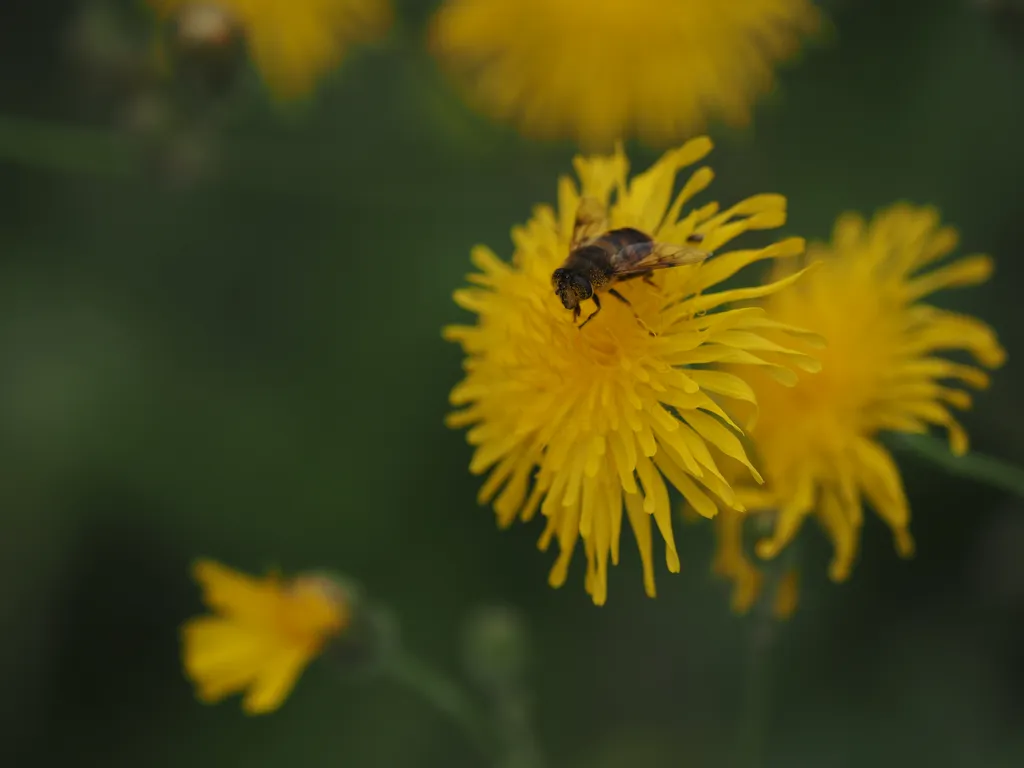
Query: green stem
{"x": 976, "y": 466}
{"x": 442, "y": 693}
{"x": 757, "y": 691}
{"x": 763, "y": 630}
{"x": 519, "y": 742}
{"x": 62, "y": 148}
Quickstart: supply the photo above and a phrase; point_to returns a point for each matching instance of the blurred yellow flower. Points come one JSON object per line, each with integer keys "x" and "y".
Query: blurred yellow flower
{"x": 295, "y": 42}
{"x": 582, "y": 414}
{"x": 601, "y": 70}
{"x": 817, "y": 443}
{"x": 263, "y": 634}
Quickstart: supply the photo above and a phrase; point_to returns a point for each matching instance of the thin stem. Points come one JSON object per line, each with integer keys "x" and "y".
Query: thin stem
{"x": 442, "y": 693}
{"x": 520, "y": 744}
{"x": 763, "y": 629}
{"x": 757, "y": 691}
{"x": 976, "y": 466}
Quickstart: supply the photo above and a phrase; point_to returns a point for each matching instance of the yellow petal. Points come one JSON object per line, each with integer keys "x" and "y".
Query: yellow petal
{"x": 720, "y": 268}
{"x": 650, "y": 191}
{"x": 711, "y": 300}
{"x": 236, "y": 594}
{"x": 787, "y": 595}
{"x": 715, "y": 433}
{"x": 882, "y": 484}
{"x": 221, "y": 656}
{"x": 275, "y": 681}
{"x": 972, "y": 270}
{"x": 640, "y": 522}
{"x": 723, "y": 383}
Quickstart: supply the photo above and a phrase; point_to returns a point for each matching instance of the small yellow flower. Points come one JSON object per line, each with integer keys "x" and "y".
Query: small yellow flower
{"x": 568, "y": 420}
{"x": 600, "y": 70}
{"x": 882, "y": 370}
{"x": 295, "y": 42}
{"x": 263, "y": 634}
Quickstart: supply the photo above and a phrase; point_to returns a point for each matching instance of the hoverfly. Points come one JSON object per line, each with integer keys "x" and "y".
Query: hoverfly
{"x": 599, "y": 258}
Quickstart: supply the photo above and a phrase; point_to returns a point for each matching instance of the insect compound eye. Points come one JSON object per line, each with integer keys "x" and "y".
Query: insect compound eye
{"x": 582, "y": 287}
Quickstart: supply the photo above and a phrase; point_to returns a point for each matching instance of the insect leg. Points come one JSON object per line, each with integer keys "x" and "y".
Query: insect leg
{"x": 625, "y": 301}
{"x": 647, "y": 277}
{"x": 620, "y": 297}
{"x": 597, "y": 303}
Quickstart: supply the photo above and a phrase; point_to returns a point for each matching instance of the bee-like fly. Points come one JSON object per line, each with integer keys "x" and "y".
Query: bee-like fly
{"x": 599, "y": 258}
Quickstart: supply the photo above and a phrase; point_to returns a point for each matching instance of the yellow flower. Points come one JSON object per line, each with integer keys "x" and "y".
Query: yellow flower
{"x": 263, "y": 634}
{"x": 818, "y": 443}
{"x": 568, "y": 420}
{"x": 600, "y": 70}
{"x": 295, "y": 42}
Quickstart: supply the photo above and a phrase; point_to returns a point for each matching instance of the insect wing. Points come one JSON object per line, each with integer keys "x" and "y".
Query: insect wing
{"x": 637, "y": 258}
{"x": 591, "y": 222}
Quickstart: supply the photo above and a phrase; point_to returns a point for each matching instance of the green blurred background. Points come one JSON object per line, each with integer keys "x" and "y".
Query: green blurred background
{"x": 226, "y": 342}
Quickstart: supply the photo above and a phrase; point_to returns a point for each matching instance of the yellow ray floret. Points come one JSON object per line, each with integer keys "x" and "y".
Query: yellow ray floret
{"x": 584, "y": 423}
{"x": 883, "y": 369}
{"x": 599, "y": 70}
{"x": 261, "y": 635}
{"x": 295, "y": 42}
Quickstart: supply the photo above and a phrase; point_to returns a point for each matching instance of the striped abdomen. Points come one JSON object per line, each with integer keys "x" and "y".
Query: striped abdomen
{"x": 623, "y": 247}
{"x": 617, "y": 239}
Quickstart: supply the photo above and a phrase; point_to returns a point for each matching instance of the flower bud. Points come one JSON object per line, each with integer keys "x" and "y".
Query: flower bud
{"x": 495, "y": 647}
{"x": 372, "y": 633}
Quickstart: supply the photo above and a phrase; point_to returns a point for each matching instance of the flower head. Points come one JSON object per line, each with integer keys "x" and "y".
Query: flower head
{"x": 581, "y": 422}
{"x": 883, "y": 369}
{"x": 600, "y": 70}
{"x": 262, "y": 635}
{"x": 294, "y": 43}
